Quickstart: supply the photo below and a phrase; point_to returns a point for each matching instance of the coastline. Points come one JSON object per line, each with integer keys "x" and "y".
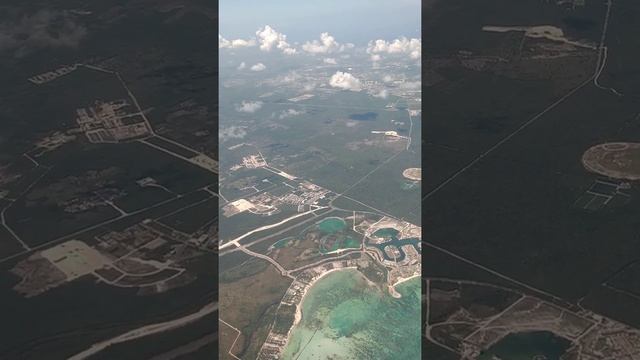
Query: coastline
{"x": 277, "y": 340}
{"x": 298, "y": 316}
{"x": 392, "y": 287}
{"x": 275, "y": 343}
{"x": 405, "y": 280}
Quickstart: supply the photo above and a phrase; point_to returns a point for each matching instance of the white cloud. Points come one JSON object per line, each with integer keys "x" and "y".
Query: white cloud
{"x": 222, "y": 42}
{"x": 345, "y": 81}
{"x": 289, "y": 51}
{"x": 234, "y": 44}
{"x": 268, "y": 38}
{"x": 309, "y": 87}
{"x": 387, "y": 78}
{"x": 376, "y": 57}
{"x": 327, "y": 44}
{"x": 242, "y": 66}
{"x": 242, "y": 43}
{"x": 289, "y": 113}
{"x": 411, "y": 47}
{"x": 331, "y": 61}
{"x": 288, "y": 78}
{"x": 381, "y": 94}
{"x": 258, "y": 67}
{"x": 411, "y": 85}
{"x": 249, "y": 106}
{"x": 232, "y": 132}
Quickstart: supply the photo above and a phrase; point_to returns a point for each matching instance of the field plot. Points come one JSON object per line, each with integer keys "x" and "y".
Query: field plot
{"x": 8, "y": 244}
{"x": 379, "y": 183}
{"x": 626, "y": 280}
{"x": 193, "y": 218}
{"x": 91, "y": 185}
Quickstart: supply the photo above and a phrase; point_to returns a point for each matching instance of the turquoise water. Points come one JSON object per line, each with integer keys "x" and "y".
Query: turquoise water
{"x": 391, "y": 235}
{"x": 341, "y": 242}
{"x": 345, "y": 318}
{"x": 528, "y": 345}
{"x": 331, "y": 225}
{"x": 410, "y": 185}
{"x": 350, "y": 242}
{"x": 386, "y": 233}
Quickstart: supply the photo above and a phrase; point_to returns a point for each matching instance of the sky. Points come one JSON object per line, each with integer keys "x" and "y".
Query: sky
{"x": 355, "y": 21}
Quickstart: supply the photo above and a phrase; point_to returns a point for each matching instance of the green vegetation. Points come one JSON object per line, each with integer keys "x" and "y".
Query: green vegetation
{"x": 248, "y": 268}
{"x": 332, "y": 225}
{"x": 282, "y": 243}
{"x": 386, "y": 233}
{"x": 350, "y": 242}
{"x": 284, "y": 318}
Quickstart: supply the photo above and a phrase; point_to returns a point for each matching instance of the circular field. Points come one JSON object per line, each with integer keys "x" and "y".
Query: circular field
{"x": 414, "y": 174}
{"x": 615, "y": 160}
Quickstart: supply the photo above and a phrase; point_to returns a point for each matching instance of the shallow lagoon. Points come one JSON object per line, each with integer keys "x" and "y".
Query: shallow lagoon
{"x": 344, "y": 317}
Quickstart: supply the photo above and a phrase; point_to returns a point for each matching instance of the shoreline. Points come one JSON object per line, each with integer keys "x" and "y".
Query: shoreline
{"x": 392, "y": 287}
{"x": 298, "y": 316}
{"x": 276, "y": 342}
{"x": 404, "y": 280}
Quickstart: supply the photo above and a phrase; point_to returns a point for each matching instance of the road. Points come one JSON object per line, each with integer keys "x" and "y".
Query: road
{"x": 235, "y": 241}
{"x": 235, "y": 340}
{"x": 95, "y": 226}
{"x": 147, "y": 330}
{"x": 506, "y": 138}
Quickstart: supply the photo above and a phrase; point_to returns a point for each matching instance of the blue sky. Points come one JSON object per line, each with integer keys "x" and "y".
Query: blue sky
{"x": 356, "y": 21}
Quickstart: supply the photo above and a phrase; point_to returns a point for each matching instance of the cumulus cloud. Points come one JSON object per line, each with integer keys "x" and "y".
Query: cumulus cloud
{"x": 327, "y": 44}
{"x": 288, "y": 78}
{"x": 242, "y": 66}
{"x": 289, "y": 51}
{"x": 331, "y": 61}
{"x": 411, "y": 85}
{"x": 345, "y": 81}
{"x": 234, "y": 44}
{"x": 232, "y": 132}
{"x": 290, "y": 112}
{"x": 249, "y": 106}
{"x": 411, "y": 47}
{"x": 269, "y": 38}
{"x": 387, "y": 78}
{"x": 258, "y": 67}
{"x": 381, "y": 94}
{"x": 42, "y": 29}
{"x": 376, "y": 57}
